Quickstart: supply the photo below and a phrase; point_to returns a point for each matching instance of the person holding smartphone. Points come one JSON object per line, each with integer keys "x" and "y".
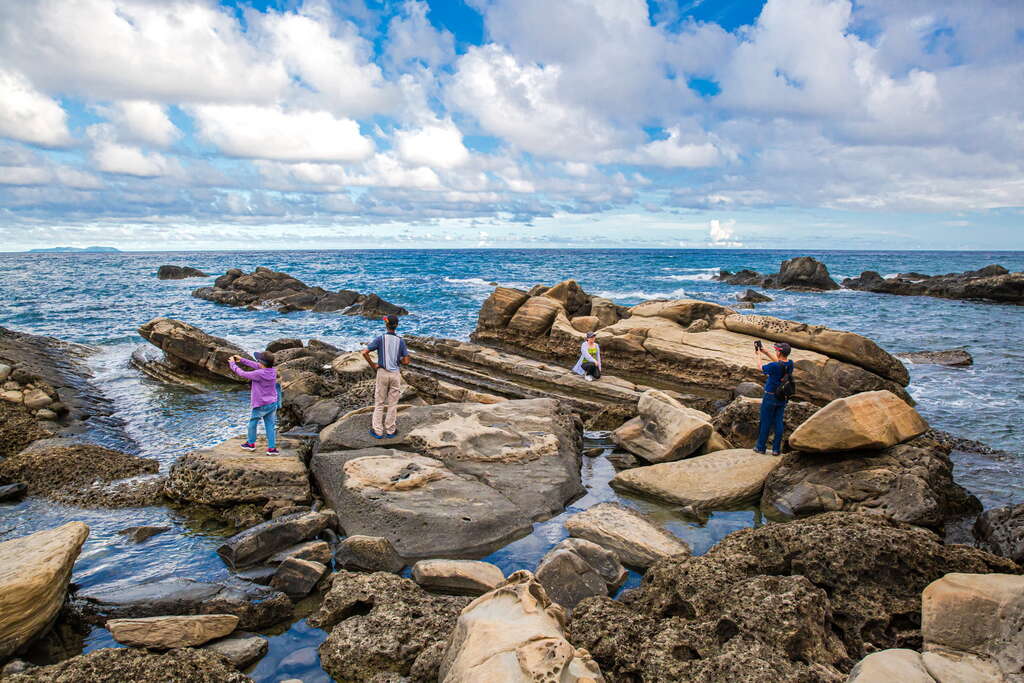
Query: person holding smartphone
{"x": 773, "y": 409}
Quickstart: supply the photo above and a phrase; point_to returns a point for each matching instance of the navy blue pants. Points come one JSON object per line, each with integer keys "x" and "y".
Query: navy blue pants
{"x": 772, "y": 413}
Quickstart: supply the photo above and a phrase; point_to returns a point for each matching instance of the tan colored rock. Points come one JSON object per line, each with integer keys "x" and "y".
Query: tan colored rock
{"x": 606, "y": 312}
{"x": 36, "y": 399}
{"x": 500, "y": 306}
{"x": 570, "y": 295}
{"x": 635, "y": 539}
{"x": 981, "y": 614}
{"x": 351, "y": 367}
{"x": 845, "y": 346}
{"x": 680, "y": 311}
{"x": 586, "y": 323}
{"x": 535, "y": 316}
{"x": 46, "y": 414}
{"x": 951, "y": 666}
{"x": 716, "y": 442}
{"x": 873, "y": 419}
{"x": 562, "y": 328}
{"x": 12, "y": 396}
{"x": 34, "y": 573}
{"x": 891, "y": 666}
{"x": 716, "y": 480}
{"x": 189, "y": 349}
{"x": 668, "y": 430}
{"x": 164, "y": 633}
{"x": 514, "y": 634}
{"x": 468, "y": 577}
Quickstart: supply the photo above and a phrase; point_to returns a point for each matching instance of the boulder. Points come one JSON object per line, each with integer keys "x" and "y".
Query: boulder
{"x": 665, "y": 429}
{"x": 738, "y": 421}
{"x": 225, "y": 475}
{"x": 264, "y": 540}
{"x": 748, "y": 390}
{"x": 284, "y": 343}
{"x": 469, "y": 577}
{"x": 682, "y": 312}
{"x": 317, "y": 551}
{"x": 117, "y": 665}
{"x": 368, "y": 554}
{"x": 296, "y": 578}
{"x": 36, "y": 399}
{"x": 752, "y": 297}
{"x": 242, "y": 649}
{"x": 383, "y": 624}
{"x": 605, "y": 562}
{"x": 954, "y": 358}
{"x": 164, "y": 633}
{"x": 978, "y": 614}
{"x": 1001, "y": 531}
{"x": 178, "y": 272}
{"x": 138, "y": 534}
{"x": 517, "y": 635}
{"x": 797, "y": 601}
{"x": 500, "y": 306}
{"x": 803, "y": 273}
{"x": 34, "y": 574}
{"x": 717, "y": 480}
{"x": 636, "y": 540}
{"x": 576, "y": 569}
{"x": 991, "y": 283}
{"x": 535, "y": 316}
{"x": 256, "y": 607}
{"x": 845, "y": 346}
{"x": 896, "y": 664}
{"x": 911, "y": 482}
{"x": 189, "y": 350}
{"x": 870, "y": 420}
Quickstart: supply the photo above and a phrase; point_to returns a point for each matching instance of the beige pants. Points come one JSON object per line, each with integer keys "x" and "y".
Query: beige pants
{"x": 386, "y": 393}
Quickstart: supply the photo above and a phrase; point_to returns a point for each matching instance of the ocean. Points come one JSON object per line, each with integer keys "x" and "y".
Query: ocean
{"x": 101, "y": 299}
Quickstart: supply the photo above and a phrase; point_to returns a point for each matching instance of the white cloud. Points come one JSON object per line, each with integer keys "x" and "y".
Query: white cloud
{"x": 674, "y": 152}
{"x": 28, "y": 115}
{"x": 411, "y": 38}
{"x": 143, "y": 122}
{"x": 438, "y": 145}
{"x": 272, "y": 133}
{"x": 721, "y": 233}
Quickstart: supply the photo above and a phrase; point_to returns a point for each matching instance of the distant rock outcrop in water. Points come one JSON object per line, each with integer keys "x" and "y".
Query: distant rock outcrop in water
{"x": 802, "y": 274}
{"x": 991, "y": 283}
{"x": 178, "y": 272}
{"x": 281, "y": 291}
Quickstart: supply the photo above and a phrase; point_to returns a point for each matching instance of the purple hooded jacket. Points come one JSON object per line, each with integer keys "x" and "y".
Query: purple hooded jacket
{"x": 264, "y": 382}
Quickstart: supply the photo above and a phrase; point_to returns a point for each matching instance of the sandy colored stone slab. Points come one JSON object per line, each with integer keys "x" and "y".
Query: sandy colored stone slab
{"x": 34, "y": 573}
{"x": 664, "y": 430}
{"x": 457, "y": 576}
{"x": 872, "y": 419}
{"x": 636, "y": 540}
{"x": 892, "y": 665}
{"x": 164, "y": 633}
{"x": 715, "y": 480}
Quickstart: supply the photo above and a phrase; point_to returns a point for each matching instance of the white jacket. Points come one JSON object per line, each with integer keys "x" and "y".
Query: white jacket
{"x": 585, "y": 356}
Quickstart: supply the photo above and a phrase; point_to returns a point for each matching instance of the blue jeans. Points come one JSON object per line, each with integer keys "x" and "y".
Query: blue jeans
{"x": 268, "y": 414}
{"x": 772, "y": 413}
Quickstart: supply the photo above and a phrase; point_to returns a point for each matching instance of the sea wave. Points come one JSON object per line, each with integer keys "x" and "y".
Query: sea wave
{"x": 690, "y": 274}
{"x": 641, "y": 295}
{"x": 475, "y": 281}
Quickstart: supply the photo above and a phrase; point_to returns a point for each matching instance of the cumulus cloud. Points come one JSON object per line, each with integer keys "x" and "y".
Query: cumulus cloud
{"x": 412, "y": 38}
{"x": 254, "y": 132}
{"x": 28, "y": 115}
{"x": 438, "y": 145}
{"x": 722, "y": 233}
{"x": 142, "y": 122}
{"x": 110, "y": 155}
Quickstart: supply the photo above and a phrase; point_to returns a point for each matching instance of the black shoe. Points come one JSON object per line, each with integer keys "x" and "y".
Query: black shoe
{"x": 757, "y": 451}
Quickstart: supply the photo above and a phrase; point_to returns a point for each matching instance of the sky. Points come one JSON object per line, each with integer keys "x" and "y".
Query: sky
{"x": 824, "y": 124}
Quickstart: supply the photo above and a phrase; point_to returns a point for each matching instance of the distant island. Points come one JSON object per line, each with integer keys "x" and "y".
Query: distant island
{"x": 76, "y": 250}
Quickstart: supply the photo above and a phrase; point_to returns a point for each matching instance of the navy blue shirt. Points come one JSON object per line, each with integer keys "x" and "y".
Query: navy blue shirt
{"x": 390, "y": 350}
{"x": 775, "y": 371}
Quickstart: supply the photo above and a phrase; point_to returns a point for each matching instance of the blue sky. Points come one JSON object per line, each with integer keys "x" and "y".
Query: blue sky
{"x": 648, "y": 123}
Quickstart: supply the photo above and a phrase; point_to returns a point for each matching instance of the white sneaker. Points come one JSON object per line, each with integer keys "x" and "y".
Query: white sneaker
{"x": 589, "y": 378}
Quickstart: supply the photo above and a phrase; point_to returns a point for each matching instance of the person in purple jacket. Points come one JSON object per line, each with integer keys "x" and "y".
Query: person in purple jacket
{"x": 264, "y": 397}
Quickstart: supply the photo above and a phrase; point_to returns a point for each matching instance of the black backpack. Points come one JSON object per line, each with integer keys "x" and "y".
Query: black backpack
{"x": 787, "y": 386}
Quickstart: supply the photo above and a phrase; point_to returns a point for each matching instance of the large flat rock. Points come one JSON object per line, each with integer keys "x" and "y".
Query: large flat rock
{"x": 873, "y": 419}
{"x": 636, "y": 540}
{"x": 164, "y": 633}
{"x": 716, "y": 480}
{"x": 225, "y": 475}
{"x": 34, "y": 574}
{"x": 262, "y": 541}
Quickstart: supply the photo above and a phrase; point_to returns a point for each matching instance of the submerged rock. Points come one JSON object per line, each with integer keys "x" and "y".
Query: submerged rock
{"x": 381, "y": 623}
{"x": 991, "y": 283}
{"x": 911, "y": 482}
{"x": 796, "y": 601}
{"x": 242, "y": 649}
{"x": 280, "y": 291}
{"x": 1001, "y": 531}
{"x": 118, "y": 665}
{"x": 138, "y": 534}
{"x": 164, "y": 633}
{"x": 34, "y": 574}
{"x": 514, "y": 634}
{"x": 717, "y": 480}
{"x": 955, "y": 358}
{"x": 636, "y": 540}
{"x": 178, "y": 272}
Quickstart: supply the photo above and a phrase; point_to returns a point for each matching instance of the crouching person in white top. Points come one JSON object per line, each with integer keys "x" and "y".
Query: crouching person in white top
{"x": 589, "y": 364}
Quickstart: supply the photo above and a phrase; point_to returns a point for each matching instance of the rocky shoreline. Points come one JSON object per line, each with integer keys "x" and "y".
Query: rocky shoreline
{"x": 854, "y": 579}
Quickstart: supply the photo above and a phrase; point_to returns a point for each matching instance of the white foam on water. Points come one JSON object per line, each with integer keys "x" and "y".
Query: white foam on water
{"x": 641, "y": 295}
{"x": 475, "y": 281}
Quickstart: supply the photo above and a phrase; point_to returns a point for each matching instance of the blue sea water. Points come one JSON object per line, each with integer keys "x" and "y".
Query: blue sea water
{"x": 101, "y": 299}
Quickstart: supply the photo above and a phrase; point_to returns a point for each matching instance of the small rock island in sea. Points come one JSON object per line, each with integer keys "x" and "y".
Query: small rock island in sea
{"x": 854, "y": 580}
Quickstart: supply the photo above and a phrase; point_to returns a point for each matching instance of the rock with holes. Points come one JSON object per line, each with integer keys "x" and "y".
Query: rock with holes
{"x": 665, "y": 429}
{"x": 716, "y": 480}
{"x": 738, "y": 421}
{"x": 514, "y": 634}
{"x": 873, "y": 419}
{"x": 801, "y": 601}
{"x": 381, "y": 624}
{"x": 119, "y": 665}
{"x": 634, "y": 538}
{"x": 1001, "y": 530}
{"x": 461, "y": 577}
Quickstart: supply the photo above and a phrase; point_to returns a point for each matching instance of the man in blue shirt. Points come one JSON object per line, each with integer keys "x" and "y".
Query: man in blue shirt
{"x": 772, "y": 409}
{"x": 391, "y": 353}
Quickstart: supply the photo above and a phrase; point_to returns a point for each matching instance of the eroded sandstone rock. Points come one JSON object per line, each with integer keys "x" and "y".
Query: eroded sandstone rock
{"x": 190, "y": 351}
{"x": 636, "y": 540}
{"x": 34, "y": 574}
{"x": 874, "y": 419}
{"x": 164, "y": 633}
{"x": 738, "y": 422}
{"x": 461, "y": 577}
{"x": 664, "y": 430}
{"x": 368, "y": 554}
{"x": 118, "y": 665}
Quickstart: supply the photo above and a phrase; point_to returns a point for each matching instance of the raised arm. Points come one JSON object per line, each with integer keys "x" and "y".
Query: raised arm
{"x": 240, "y": 372}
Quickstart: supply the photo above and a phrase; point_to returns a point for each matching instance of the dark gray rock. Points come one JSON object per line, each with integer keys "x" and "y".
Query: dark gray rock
{"x": 317, "y": 551}
{"x": 753, "y": 297}
{"x": 803, "y": 273}
{"x": 623, "y": 460}
{"x": 255, "y": 606}
{"x": 368, "y": 554}
{"x": 1001, "y": 531}
{"x": 263, "y": 540}
{"x": 242, "y": 649}
{"x": 991, "y": 283}
{"x": 605, "y": 562}
{"x": 178, "y": 272}
{"x": 954, "y": 358}
{"x": 282, "y": 344}
{"x": 138, "y": 534}
{"x": 297, "y": 578}
{"x": 12, "y": 492}
{"x": 568, "y": 578}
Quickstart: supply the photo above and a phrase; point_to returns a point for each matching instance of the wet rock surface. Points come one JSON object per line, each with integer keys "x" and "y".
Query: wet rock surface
{"x": 271, "y": 289}
{"x": 119, "y": 665}
{"x": 169, "y": 272}
{"x": 635, "y": 539}
{"x": 911, "y": 482}
{"x": 802, "y": 274}
{"x": 796, "y": 601}
{"x": 264, "y": 540}
{"x": 164, "y": 633}
{"x": 383, "y": 624}
{"x": 954, "y": 358}
{"x": 991, "y": 283}
{"x": 1001, "y": 531}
